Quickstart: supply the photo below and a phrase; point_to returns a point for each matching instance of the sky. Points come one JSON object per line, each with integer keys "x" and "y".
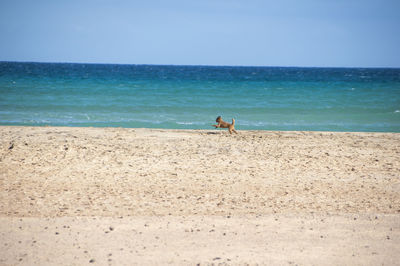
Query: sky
{"x": 309, "y": 33}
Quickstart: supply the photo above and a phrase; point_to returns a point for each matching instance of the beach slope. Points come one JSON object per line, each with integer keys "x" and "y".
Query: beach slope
{"x": 122, "y": 196}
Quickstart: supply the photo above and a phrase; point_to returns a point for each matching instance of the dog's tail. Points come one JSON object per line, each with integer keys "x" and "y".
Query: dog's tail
{"x": 233, "y": 121}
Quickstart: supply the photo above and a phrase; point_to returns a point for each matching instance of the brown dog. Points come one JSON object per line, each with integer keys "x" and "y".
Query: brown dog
{"x": 223, "y": 124}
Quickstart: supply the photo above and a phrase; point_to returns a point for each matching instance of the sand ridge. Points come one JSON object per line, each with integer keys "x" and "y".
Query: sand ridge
{"x": 108, "y": 172}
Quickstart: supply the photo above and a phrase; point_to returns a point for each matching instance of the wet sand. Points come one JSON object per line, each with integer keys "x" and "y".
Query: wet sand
{"x": 193, "y": 196}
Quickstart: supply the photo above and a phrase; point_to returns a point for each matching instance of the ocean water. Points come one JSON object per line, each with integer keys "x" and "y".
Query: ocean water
{"x": 191, "y": 97}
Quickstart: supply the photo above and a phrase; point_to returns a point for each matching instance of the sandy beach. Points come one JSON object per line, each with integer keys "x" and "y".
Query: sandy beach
{"x": 114, "y": 196}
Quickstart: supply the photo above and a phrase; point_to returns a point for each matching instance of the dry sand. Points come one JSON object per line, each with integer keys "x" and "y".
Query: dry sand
{"x": 112, "y": 196}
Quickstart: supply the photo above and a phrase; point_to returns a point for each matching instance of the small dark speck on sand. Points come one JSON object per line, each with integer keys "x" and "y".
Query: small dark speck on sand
{"x": 91, "y": 261}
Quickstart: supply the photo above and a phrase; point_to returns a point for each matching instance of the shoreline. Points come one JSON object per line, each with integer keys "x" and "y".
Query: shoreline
{"x": 194, "y": 129}
{"x": 198, "y": 196}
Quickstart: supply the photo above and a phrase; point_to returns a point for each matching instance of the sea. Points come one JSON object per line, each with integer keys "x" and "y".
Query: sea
{"x": 191, "y": 97}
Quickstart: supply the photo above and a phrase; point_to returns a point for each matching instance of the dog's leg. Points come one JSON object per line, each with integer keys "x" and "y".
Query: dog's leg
{"x": 217, "y": 125}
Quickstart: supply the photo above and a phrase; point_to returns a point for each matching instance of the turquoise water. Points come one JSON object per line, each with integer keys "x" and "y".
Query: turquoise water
{"x": 191, "y": 97}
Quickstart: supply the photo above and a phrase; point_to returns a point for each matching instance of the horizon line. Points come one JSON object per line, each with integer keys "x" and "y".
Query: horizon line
{"x": 196, "y": 65}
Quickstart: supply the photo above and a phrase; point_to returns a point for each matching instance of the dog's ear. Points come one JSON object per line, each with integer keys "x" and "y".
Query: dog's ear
{"x": 218, "y": 119}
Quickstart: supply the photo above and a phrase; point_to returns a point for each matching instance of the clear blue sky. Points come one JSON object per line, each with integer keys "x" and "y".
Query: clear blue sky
{"x": 363, "y": 33}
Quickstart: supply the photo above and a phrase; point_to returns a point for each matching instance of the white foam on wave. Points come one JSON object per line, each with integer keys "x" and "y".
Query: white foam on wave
{"x": 190, "y": 123}
{"x": 397, "y": 111}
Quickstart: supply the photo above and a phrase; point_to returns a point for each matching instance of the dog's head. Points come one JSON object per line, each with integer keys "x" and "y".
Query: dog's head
{"x": 218, "y": 119}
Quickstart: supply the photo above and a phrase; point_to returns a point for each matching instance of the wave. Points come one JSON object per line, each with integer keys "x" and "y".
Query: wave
{"x": 185, "y": 123}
